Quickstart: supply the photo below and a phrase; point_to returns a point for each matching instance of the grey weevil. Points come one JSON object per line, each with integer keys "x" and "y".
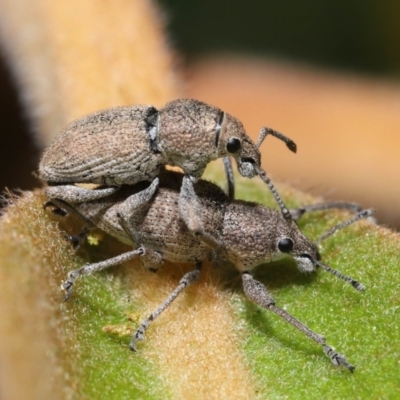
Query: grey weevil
{"x": 246, "y": 234}
{"x": 126, "y": 145}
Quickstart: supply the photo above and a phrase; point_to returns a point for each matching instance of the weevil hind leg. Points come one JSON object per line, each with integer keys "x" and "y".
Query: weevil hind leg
{"x": 95, "y": 267}
{"x": 259, "y": 294}
{"x": 55, "y": 209}
{"x": 135, "y": 205}
{"x": 188, "y": 279}
{"x": 76, "y": 194}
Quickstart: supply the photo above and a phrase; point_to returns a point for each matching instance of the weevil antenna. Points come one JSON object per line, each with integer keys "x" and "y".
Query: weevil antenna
{"x": 285, "y": 212}
{"x": 361, "y": 215}
{"x": 268, "y": 131}
{"x": 356, "y": 285}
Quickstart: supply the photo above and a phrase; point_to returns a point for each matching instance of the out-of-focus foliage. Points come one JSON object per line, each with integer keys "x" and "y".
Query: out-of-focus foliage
{"x": 350, "y": 34}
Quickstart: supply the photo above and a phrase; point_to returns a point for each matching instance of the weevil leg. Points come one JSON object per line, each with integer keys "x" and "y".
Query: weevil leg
{"x": 190, "y": 212}
{"x": 75, "y": 194}
{"x": 77, "y": 240}
{"x": 134, "y": 206}
{"x": 229, "y": 177}
{"x": 188, "y": 279}
{"x": 153, "y": 260}
{"x": 61, "y": 207}
{"x": 95, "y": 267}
{"x": 258, "y": 293}
{"x": 297, "y": 213}
{"x": 55, "y": 209}
{"x": 137, "y": 204}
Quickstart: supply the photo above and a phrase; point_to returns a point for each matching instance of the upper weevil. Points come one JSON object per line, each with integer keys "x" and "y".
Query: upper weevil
{"x": 126, "y": 145}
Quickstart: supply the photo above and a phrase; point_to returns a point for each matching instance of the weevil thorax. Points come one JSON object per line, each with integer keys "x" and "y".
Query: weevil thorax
{"x": 234, "y": 142}
{"x": 187, "y": 134}
{"x": 255, "y": 234}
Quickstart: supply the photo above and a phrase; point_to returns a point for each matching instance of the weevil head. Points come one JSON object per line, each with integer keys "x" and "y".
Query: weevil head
{"x": 254, "y": 234}
{"x": 291, "y": 241}
{"x": 235, "y": 142}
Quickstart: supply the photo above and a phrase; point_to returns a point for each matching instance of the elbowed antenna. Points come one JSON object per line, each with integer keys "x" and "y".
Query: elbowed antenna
{"x": 262, "y": 174}
{"x": 361, "y": 215}
{"x": 268, "y": 131}
{"x": 284, "y": 210}
{"x": 356, "y": 285}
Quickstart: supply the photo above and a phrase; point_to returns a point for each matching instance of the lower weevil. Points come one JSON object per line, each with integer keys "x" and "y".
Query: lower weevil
{"x": 162, "y": 225}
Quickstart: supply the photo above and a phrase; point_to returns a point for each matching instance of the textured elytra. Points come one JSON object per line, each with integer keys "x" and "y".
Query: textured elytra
{"x": 107, "y": 147}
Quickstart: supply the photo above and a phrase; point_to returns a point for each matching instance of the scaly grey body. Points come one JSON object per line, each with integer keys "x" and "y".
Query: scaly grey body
{"x": 163, "y": 222}
{"x": 127, "y": 145}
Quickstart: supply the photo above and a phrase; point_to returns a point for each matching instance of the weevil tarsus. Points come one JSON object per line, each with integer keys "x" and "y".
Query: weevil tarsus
{"x": 77, "y": 240}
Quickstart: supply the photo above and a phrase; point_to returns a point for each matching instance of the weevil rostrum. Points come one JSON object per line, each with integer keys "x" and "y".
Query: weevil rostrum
{"x": 161, "y": 223}
{"x": 126, "y": 145}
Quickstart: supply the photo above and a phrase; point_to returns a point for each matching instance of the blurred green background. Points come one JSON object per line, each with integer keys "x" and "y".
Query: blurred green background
{"x": 347, "y": 34}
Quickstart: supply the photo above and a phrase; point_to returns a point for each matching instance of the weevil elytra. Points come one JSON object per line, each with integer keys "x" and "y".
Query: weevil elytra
{"x": 161, "y": 225}
{"x": 126, "y": 145}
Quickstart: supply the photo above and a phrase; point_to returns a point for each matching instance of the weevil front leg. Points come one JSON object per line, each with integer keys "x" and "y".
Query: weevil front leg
{"x": 95, "y": 267}
{"x": 134, "y": 206}
{"x": 258, "y": 293}
{"x": 77, "y": 240}
{"x": 60, "y": 208}
{"x": 187, "y": 279}
{"x": 76, "y": 194}
{"x": 190, "y": 211}
{"x": 229, "y": 177}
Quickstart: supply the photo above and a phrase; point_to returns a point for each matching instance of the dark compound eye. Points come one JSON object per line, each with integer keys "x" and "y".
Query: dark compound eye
{"x": 285, "y": 245}
{"x": 233, "y": 145}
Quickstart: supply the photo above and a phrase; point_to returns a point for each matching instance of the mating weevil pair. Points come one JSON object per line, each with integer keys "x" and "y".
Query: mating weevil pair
{"x": 181, "y": 219}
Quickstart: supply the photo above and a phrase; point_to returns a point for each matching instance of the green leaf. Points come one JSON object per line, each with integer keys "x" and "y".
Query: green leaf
{"x": 212, "y": 342}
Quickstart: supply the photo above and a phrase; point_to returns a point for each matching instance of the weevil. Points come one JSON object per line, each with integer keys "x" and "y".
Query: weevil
{"x": 161, "y": 224}
{"x": 126, "y": 145}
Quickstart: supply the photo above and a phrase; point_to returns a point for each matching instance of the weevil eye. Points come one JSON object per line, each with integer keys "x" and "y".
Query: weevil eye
{"x": 233, "y": 145}
{"x": 285, "y": 245}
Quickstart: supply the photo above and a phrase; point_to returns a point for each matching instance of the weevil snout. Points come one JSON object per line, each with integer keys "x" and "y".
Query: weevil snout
{"x": 235, "y": 142}
{"x": 304, "y": 252}
{"x": 305, "y": 262}
{"x": 246, "y": 167}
